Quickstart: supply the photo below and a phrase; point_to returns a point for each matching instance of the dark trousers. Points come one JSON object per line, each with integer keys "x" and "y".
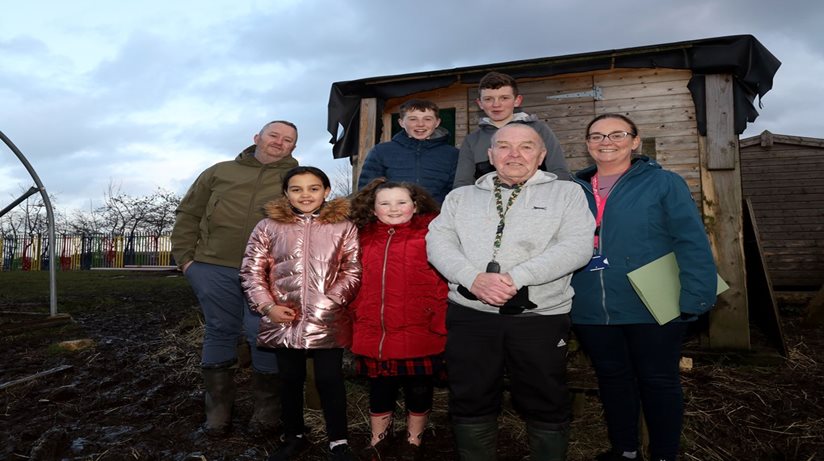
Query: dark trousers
{"x": 417, "y": 393}
{"x": 329, "y": 382}
{"x": 637, "y": 366}
{"x": 481, "y": 346}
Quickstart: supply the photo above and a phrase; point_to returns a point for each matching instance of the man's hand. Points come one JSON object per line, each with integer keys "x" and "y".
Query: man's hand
{"x": 494, "y": 289}
{"x": 186, "y": 266}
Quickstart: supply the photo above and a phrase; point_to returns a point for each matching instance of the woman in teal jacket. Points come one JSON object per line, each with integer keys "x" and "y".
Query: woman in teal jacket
{"x": 642, "y": 213}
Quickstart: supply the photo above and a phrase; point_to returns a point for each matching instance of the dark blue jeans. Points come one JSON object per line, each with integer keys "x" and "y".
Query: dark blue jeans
{"x": 637, "y": 366}
{"x": 227, "y": 316}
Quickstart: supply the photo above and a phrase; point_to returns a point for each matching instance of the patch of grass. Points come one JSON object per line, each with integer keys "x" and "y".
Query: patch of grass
{"x": 80, "y": 291}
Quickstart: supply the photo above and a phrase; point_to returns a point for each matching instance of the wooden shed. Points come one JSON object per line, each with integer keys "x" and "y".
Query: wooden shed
{"x": 783, "y": 177}
{"x": 690, "y": 101}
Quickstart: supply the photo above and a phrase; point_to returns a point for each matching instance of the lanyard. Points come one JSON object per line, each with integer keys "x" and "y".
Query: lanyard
{"x": 499, "y": 204}
{"x": 600, "y": 205}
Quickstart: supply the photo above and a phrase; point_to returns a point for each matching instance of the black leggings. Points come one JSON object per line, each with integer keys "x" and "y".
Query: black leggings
{"x": 417, "y": 392}
{"x": 329, "y": 382}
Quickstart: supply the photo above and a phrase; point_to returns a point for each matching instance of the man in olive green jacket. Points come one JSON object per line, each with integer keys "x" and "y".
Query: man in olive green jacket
{"x": 213, "y": 224}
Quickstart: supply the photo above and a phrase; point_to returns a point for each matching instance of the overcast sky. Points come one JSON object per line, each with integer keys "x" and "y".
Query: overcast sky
{"x": 147, "y": 94}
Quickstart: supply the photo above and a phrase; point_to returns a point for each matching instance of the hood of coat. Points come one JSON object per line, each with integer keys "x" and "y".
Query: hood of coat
{"x": 333, "y": 211}
{"x": 638, "y": 161}
{"x": 418, "y": 221}
{"x": 247, "y": 157}
{"x": 517, "y": 117}
{"x": 487, "y": 181}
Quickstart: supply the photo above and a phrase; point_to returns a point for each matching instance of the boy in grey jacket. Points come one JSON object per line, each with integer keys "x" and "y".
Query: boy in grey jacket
{"x": 498, "y": 97}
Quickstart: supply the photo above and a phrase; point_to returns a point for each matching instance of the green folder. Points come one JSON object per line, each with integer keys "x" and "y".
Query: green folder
{"x": 659, "y": 287}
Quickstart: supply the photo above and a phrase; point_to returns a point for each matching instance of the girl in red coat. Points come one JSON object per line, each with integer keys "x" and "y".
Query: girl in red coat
{"x": 399, "y": 330}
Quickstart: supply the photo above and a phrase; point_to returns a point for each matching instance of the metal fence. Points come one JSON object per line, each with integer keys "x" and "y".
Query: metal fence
{"x": 87, "y": 251}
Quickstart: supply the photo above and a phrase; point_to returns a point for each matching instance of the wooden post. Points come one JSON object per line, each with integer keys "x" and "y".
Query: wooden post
{"x": 722, "y": 206}
{"x": 366, "y": 136}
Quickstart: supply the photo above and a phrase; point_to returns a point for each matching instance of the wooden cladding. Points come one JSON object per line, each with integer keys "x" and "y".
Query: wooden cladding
{"x": 783, "y": 176}
{"x": 656, "y": 99}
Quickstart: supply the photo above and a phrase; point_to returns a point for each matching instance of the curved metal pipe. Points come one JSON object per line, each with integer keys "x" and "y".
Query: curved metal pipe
{"x": 49, "y": 216}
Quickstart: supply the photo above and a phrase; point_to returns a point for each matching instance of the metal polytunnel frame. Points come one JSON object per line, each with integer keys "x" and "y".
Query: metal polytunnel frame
{"x": 38, "y": 187}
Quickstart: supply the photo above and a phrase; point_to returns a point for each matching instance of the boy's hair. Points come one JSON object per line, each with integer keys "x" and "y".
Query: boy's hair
{"x": 362, "y": 211}
{"x": 317, "y": 172}
{"x": 418, "y": 104}
{"x": 494, "y": 80}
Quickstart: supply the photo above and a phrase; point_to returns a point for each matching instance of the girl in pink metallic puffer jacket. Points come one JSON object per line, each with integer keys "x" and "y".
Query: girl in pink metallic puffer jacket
{"x": 300, "y": 270}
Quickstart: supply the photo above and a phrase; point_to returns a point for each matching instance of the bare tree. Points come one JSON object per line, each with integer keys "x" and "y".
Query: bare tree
{"x": 342, "y": 181}
{"x": 86, "y": 222}
{"x": 123, "y": 214}
{"x": 27, "y": 218}
{"x": 161, "y": 215}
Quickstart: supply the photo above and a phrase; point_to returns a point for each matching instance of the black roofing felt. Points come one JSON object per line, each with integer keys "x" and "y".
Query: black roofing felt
{"x": 743, "y": 56}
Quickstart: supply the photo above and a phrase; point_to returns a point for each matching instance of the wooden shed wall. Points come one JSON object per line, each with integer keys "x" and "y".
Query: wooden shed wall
{"x": 785, "y": 183}
{"x": 656, "y": 99}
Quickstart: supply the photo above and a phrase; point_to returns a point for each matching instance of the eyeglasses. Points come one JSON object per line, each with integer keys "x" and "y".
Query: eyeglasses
{"x": 615, "y": 136}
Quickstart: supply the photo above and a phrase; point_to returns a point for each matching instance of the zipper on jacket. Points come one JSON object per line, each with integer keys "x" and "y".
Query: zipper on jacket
{"x": 391, "y": 233}
{"x": 601, "y": 240}
{"x": 304, "y": 285}
{"x": 601, "y": 245}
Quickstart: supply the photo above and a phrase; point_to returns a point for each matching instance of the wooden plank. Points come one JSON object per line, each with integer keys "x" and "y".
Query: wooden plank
{"x": 722, "y": 149}
{"x": 39, "y": 375}
{"x": 812, "y": 173}
{"x": 722, "y": 202}
{"x": 14, "y": 328}
{"x": 756, "y": 189}
{"x": 620, "y": 77}
{"x": 783, "y": 162}
{"x": 644, "y": 90}
{"x": 539, "y": 89}
{"x": 788, "y": 214}
{"x": 762, "y": 206}
{"x": 646, "y": 103}
{"x": 366, "y": 136}
{"x": 793, "y": 154}
{"x": 762, "y": 306}
{"x": 809, "y": 199}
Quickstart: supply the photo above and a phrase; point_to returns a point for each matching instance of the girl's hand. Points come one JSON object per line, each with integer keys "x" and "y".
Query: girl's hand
{"x": 281, "y": 314}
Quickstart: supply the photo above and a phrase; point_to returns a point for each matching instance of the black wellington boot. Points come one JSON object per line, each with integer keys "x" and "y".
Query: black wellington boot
{"x": 220, "y": 398}
{"x": 476, "y": 438}
{"x": 547, "y": 442}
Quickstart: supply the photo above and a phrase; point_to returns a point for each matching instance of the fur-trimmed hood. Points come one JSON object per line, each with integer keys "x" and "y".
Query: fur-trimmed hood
{"x": 333, "y": 211}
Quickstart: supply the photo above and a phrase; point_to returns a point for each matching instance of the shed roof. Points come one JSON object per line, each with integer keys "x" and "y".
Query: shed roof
{"x": 767, "y": 138}
{"x": 744, "y": 57}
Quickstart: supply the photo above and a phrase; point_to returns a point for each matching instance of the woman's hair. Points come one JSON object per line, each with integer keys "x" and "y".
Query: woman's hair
{"x": 633, "y": 129}
{"x": 305, "y": 170}
{"x": 363, "y": 203}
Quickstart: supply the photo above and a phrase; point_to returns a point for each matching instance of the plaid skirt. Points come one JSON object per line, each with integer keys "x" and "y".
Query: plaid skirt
{"x": 432, "y": 365}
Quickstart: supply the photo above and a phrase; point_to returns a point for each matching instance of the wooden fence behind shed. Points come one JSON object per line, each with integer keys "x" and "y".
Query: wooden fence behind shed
{"x": 783, "y": 176}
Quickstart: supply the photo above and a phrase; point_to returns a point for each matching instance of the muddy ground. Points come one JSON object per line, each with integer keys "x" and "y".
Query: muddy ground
{"x": 136, "y": 394}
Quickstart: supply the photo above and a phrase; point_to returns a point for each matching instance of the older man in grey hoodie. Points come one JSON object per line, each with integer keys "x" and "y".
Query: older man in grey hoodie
{"x": 508, "y": 246}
